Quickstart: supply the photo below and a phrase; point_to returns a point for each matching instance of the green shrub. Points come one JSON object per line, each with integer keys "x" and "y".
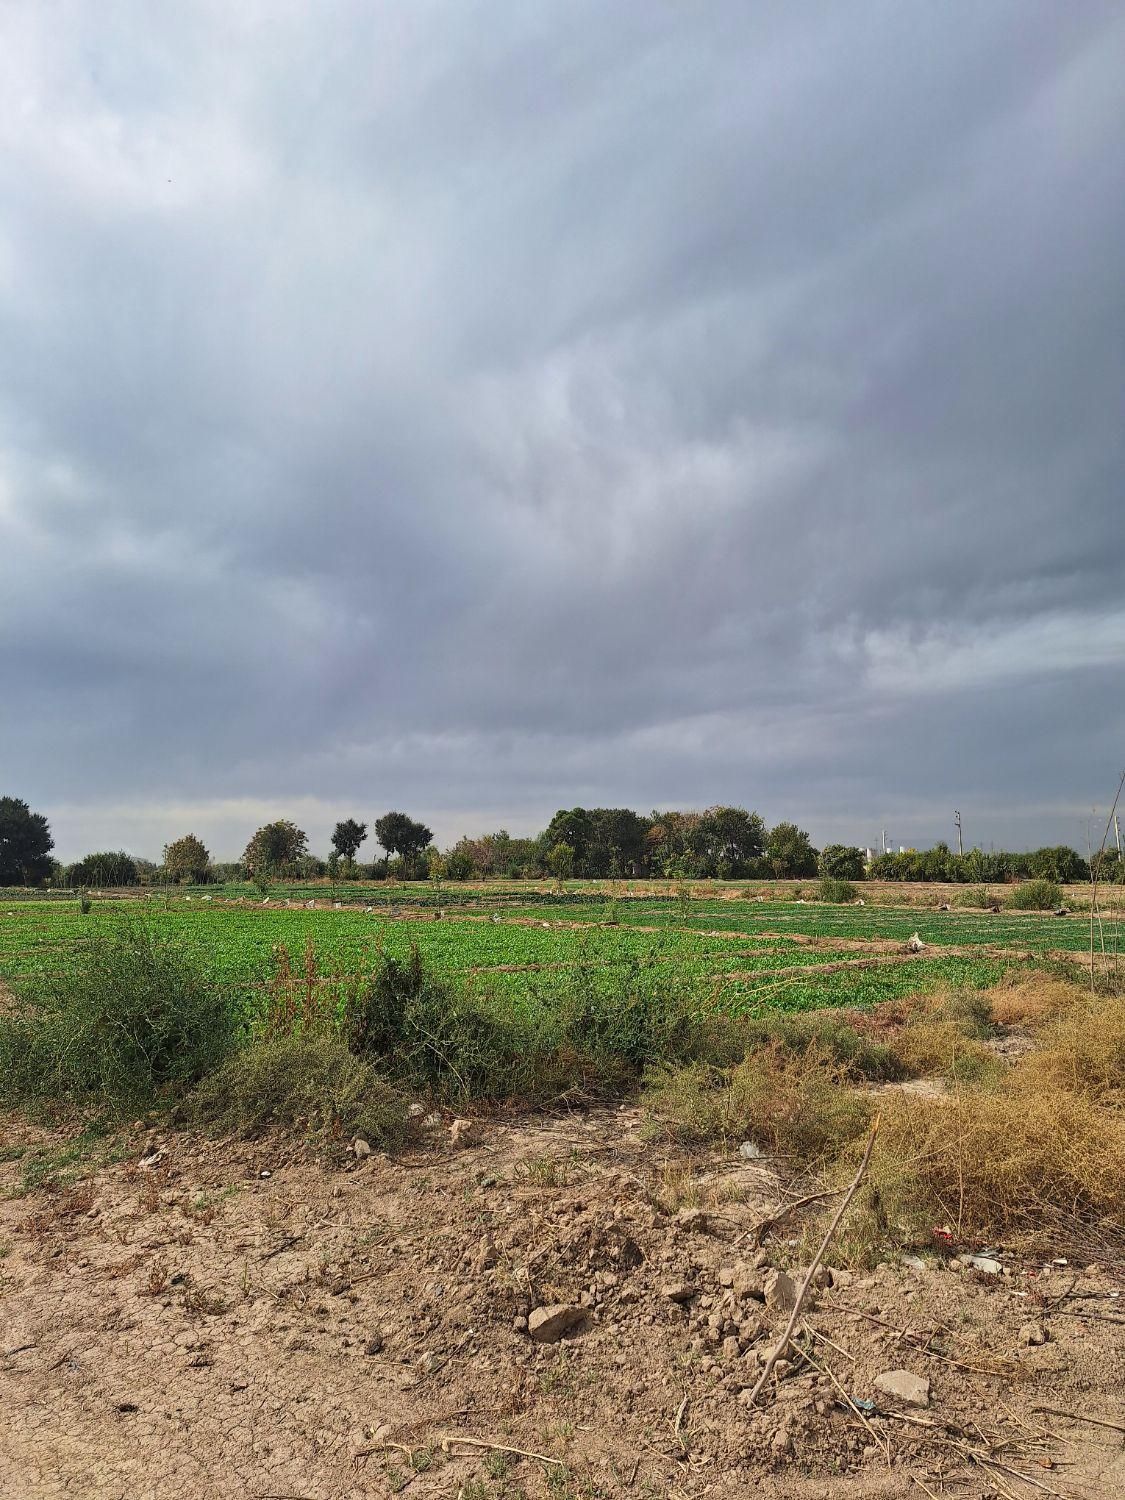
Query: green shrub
{"x": 311, "y": 1084}
{"x": 972, "y": 896}
{"x": 430, "y": 1033}
{"x": 130, "y": 1018}
{"x": 1034, "y": 895}
{"x": 832, "y": 889}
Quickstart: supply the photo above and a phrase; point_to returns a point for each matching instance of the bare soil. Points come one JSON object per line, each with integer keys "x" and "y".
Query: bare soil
{"x": 210, "y": 1319}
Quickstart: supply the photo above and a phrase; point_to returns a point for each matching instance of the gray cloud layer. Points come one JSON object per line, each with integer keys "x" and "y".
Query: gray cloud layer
{"x": 479, "y": 412}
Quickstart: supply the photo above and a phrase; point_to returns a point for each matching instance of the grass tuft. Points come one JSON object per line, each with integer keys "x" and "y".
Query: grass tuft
{"x": 130, "y": 1018}
{"x": 309, "y": 1084}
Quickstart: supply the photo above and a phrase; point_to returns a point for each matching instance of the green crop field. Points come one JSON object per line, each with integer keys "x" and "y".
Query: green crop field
{"x": 519, "y": 947}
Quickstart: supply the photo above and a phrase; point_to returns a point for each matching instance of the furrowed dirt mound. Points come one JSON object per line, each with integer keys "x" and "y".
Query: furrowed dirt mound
{"x": 182, "y": 1324}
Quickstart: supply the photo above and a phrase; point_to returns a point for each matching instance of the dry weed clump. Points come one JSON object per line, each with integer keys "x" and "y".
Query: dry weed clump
{"x": 1024, "y": 998}
{"x": 989, "y": 1162}
{"x": 941, "y": 1048}
{"x": 1081, "y": 1051}
{"x": 792, "y": 1104}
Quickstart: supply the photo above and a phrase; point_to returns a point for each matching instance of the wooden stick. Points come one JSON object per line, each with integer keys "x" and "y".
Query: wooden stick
{"x": 473, "y": 1442}
{"x": 783, "y": 1342}
{"x": 1057, "y": 1411}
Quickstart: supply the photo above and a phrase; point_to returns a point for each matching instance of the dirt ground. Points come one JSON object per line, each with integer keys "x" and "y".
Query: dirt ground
{"x": 211, "y": 1319}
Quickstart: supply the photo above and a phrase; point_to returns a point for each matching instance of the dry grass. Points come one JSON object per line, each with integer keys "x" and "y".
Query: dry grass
{"x": 1039, "y": 1146}
{"x": 1028, "y": 999}
{"x": 1081, "y": 1051}
{"x": 792, "y": 1104}
{"x": 991, "y": 1162}
{"x": 929, "y": 1048}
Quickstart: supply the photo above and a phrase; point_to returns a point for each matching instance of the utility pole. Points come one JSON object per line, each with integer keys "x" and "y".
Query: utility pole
{"x": 884, "y": 841}
{"x": 1117, "y": 831}
{"x": 957, "y": 820}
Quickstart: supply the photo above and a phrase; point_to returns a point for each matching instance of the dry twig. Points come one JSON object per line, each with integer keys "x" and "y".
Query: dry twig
{"x": 540, "y": 1458}
{"x": 783, "y": 1342}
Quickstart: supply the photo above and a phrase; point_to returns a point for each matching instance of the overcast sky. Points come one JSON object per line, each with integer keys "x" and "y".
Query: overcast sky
{"x": 478, "y": 410}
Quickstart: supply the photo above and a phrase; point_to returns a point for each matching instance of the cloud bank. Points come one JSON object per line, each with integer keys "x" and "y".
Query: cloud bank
{"x": 402, "y": 406}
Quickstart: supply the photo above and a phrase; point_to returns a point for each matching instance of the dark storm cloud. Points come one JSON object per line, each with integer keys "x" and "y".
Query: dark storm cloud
{"x": 403, "y": 405}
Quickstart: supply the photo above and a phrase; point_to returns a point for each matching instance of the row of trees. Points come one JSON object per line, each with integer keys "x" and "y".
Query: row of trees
{"x": 980, "y": 867}
{"x": 584, "y": 843}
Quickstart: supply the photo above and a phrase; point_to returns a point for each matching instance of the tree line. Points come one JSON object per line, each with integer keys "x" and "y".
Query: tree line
{"x": 721, "y": 842}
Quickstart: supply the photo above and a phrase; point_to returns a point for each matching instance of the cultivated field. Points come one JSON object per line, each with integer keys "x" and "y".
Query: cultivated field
{"x": 504, "y": 1193}
{"x": 741, "y": 954}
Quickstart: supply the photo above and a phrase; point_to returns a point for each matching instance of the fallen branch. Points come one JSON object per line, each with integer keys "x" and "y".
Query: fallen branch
{"x": 783, "y": 1343}
{"x": 1057, "y": 1411}
{"x": 540, "y": 1458}
{"x": 759, "y": 1231}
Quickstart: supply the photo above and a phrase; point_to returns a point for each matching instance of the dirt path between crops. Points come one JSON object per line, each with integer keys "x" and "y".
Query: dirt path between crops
{"x": 205, "y": 1319}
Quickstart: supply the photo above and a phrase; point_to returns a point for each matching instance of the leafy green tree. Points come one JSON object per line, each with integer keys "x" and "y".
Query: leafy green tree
{"x": 789, "y": 852}
{"x": 573, "y": 827}
{"x": 25, "y": 844}
{"x": 275, "y": 849}
{"x": 560, "y": 862}
{"x": 347, "y": 838}
{"x": 187, "y": 861}
{"x": 729, "y": 840}
{"x": 108, "y": 867}
{"x": 402, "y": 836}
{"x": 841, "y": 862}
{"x": 1060, "y": 864}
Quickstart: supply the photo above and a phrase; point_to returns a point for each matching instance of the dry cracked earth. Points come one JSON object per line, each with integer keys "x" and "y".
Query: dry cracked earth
{"x": 199, "y": 1318}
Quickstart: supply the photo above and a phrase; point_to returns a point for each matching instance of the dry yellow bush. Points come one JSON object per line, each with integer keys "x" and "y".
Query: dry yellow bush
{"x": 795, "y": 1104}
{"x": 928, "y": 1047}
{"x": 1024, "y": 998}
{"x": 1082, "y": 1052}
{"x": 987, "y": 1162}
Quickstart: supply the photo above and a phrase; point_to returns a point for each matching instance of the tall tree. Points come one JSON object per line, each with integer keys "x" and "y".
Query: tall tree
{"x": 401, "y": 835}
{"x": 275, "y": 849}
{"x": 187, "y": 860}
{"x": 347, "y": 838}
{"x": 25, "y": 844}
{"x": 731, "y": 839}
{"x": 789, "y": 851}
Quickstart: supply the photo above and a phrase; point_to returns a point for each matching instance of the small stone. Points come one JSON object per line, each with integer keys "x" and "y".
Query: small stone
{"x": 416, "y": 1111}
{"x": 519, "y": 1324}
{"x": 781, "y": 1291}
{"x": 732, "y": 1349}
{"x": 983, "y": 1263}
{"x": 548, "y": 1324}
{"x": 361, "y": 1148}
{"x": 750, "y": 1152}
{"x": 374, "y": 1344}
{"x": 431, "y": 1363}
{"x": 750, "y": 1281}
{"x": 461, "y": 1132}
{"x": 726, "y": 1275}
{"x": 677, "y": 1291}
{"x": 749, "y": 1330}
{"x": 265, "y": 1172}
{"x": 904, "y": 1386}
{"x": 1032, "y": 1334}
